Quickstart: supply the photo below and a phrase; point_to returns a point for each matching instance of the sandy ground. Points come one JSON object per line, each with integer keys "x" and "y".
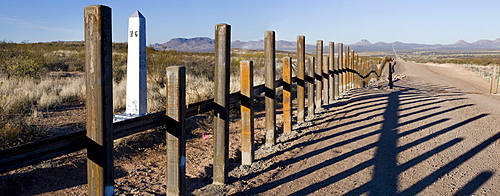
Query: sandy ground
{"x": 435, "y": 133}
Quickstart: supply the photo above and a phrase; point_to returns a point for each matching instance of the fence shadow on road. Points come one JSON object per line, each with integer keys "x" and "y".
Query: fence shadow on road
{"x": 385, "y": 168}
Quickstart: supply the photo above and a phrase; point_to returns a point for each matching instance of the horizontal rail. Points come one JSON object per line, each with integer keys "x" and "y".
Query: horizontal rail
{"x": 33, "y": 153}
{"x": 29, "y": 154}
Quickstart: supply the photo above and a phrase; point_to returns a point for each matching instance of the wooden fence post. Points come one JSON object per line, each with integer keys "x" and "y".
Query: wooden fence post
{"x": 366, "y": 73}
{"x": 301, "y": 61}
{"x": 176, "y": 130}
{"x": 351, "y": 67}
{"x": 331, "y": 73}
{"x": 390, "y": 75}
{"x": 356, "y": 71}
{"x": 221, "y": 99}
{"x": 287, "y": 95}
{"x": 270, "y": 87}
{"x": 339, "y": 68}
{"x": 373, "y": 71}
{"x": 346, "y": 69}
{"x": 494, "y": 82}
{"x": 319, "y": 73}
{"x": 325, "y": 63}
{"x": 99, "y": 104}
{"x": 310, "y": 88}
{"x": 247, "y": 113}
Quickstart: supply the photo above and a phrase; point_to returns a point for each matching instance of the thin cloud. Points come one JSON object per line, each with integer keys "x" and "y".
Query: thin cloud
{"x": 19, "y": 23}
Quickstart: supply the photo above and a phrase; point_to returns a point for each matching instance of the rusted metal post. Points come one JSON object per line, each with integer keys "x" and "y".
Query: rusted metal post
{"x": 270, "y": 87}
{"x": 287, "y": 95}
{"x": 331, "y": 73}
{"x": 494, "y": 82}
{"x": 176, "y": 130}
{"x": 301, "y": 85}
{"x": 221, "y": 99}
{"x": 247, "y": 113}
{"x": 310, "y": 88}
{"x": 339, "y": 68}
{"x": 99, "y": 103}
{"x": 319, "y": 73}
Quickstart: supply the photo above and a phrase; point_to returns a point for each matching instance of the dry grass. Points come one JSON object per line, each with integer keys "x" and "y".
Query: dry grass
{"x": 23, "y": 98}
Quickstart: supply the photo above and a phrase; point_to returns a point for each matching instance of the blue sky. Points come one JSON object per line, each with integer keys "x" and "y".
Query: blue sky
{"x": 346, "y": 21}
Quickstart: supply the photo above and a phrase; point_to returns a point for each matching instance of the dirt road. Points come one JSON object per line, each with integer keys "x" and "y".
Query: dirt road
{"x": 436, "y": 133}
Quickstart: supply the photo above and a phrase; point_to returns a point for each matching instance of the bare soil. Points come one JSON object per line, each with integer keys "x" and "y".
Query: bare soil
{"x": 436, "y": 133}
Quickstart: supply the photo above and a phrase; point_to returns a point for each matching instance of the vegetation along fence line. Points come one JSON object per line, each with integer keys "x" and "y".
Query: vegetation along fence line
{"x": 330, "y": 76}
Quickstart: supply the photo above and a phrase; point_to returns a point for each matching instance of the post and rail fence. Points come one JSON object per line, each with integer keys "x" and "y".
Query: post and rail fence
{"x": 324, "y": 77}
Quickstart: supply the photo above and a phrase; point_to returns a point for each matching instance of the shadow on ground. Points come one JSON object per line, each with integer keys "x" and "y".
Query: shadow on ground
{"x": 385, "y": 168}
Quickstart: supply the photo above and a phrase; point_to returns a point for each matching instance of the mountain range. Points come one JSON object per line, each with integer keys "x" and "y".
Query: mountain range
{"x": 205, "y": 44}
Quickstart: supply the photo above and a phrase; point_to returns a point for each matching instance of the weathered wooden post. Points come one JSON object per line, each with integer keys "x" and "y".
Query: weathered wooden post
{"x": 373, "y": 71}
{"x": 270, "y": 87}
{"x": 325, "y": 77}
{"x": 310, "y": 88}
{"x": 339, "y": 68}
{"x": 356, "y": 71}
{"x": 319, "y": 74}
{"x": 176, "y": 130}
{"x": 366, "y": 73}
{"x": 494, "y": 82}
{"x": 331, "y": 73}
{"x": 99, "y": 103}
{"x": 390, "y": 75}
{"x": 136, "y": 65}
{"x": 346, "y": 69}
{"x": 221, "y": 99}
{"x": 301, "y": 83}
{"x": 362, "y": 71}
{"x": 351, "y": 67}
{"x": 247, "y": 113}
{"x": 287, "y": 95}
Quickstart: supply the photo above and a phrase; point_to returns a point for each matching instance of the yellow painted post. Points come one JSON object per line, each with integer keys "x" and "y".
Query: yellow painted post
{"x": 247, "y": 113}
{"x": 287, "y": 95}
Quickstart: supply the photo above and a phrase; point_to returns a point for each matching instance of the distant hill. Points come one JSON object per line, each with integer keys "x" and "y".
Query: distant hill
{"x": 205, "y": 44}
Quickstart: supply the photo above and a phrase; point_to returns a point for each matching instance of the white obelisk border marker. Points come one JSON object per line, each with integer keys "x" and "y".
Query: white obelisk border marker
{"x": 136, "y": 68}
